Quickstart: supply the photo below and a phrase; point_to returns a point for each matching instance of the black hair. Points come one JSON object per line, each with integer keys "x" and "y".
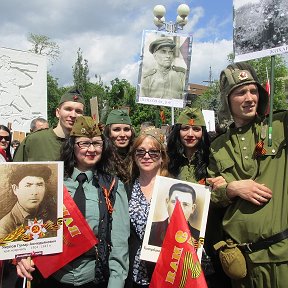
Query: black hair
{"x": 176, "y": 151}
{"x": 67, "y": 155}
{"x": 8, "y": 154}
{"x": 33, "y": 170}
{"x": 182, "y": 187}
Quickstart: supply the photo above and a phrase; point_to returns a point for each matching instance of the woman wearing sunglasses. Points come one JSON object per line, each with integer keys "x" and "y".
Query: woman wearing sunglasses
{"x": 149, "y": 159}
{"x": 5, "y": 141}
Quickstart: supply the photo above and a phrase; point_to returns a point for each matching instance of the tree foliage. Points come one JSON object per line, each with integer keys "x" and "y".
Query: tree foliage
{"x": 43, "y": 45}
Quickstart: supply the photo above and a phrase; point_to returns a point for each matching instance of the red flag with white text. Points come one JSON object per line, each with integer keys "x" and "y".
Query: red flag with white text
{"x": 178, "y": 264}
{"x": 78, "y": 238}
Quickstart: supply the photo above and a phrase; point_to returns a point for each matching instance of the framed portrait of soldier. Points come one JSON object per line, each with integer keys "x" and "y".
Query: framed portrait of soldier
{"x": 194, "y": 200}
{"x": 31, "y": 209}
{"x": 164, "y": 68}
{"x": 260, "y": 28}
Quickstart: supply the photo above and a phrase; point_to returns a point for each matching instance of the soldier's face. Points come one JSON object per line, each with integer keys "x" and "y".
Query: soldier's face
{"x": 30, "y": 192}
{"x": 164, "y": 57}
{"x": 243, "y": 102}
{"x": 186, "y": 202}
{"x": 68, "y": 112}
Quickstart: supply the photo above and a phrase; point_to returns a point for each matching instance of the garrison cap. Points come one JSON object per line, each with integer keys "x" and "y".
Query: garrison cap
{"x": 73, "y": 95}
{"x": 191, "y": 116}
{"x": 236, "y": 75}
{"x": 155, "y": 133}
{"x": 118, "y": 116}
{"x": 85, "y": 126}
{"x": 161, "y": 42}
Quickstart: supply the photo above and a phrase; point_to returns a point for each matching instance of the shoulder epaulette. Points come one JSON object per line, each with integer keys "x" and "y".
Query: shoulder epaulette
{"x": 178, "y": 69}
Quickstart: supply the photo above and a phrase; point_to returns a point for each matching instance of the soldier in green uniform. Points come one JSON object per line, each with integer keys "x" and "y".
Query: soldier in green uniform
{"x": 166, "y": 80}
{"x": 256, "y": 196}
{"x": 45, "y": 145}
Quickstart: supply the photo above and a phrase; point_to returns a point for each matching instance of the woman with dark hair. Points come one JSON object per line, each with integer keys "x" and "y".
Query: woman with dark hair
{"x": 104, "y": 206}
{"x": 148, "y": 159}
{"x": 188, "y": 150}
{"x": 120, "y": 134}
{"x": 5, "y": 142}
{"x": 188, "y": 147}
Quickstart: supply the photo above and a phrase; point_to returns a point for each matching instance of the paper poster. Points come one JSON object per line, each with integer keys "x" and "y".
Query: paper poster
{"x": 194, "y": 199}
{"x": 31, "y": 209}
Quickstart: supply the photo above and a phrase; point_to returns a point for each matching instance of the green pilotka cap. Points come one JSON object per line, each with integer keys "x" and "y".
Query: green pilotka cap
{"x": 73, "y": 95}
{"x": 236, "y": 75}
{"x": 85, "y": 126}
{"x": 191, "y": 116}
{"x": 118, "y": 116}
{"x": 161, "y": 42}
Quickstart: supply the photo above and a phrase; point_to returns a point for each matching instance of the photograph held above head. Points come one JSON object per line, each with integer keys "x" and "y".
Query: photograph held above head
{"x": 256, "y": 173}
{"x": 165, "y": 80}
{"x": 5, "y": 142}
{"x": 187, "y": 197}
{"x": 86, "y": 154}
{"x": 29, "y": 185}
{"x": 45, "y": 145}
{"x": 149, "y": 159}
{"x": 120, "y": 135}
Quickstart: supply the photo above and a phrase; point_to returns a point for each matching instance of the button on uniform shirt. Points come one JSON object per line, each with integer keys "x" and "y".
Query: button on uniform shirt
{"x": 82, "y": 270}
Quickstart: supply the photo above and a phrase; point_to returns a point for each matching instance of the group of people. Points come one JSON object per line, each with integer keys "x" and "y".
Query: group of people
{"x": 247, "y": 175}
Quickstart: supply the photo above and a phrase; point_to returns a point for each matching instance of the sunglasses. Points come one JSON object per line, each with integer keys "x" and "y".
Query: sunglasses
{"x": 152, "y": 153}
{"x": 6, "y": 138}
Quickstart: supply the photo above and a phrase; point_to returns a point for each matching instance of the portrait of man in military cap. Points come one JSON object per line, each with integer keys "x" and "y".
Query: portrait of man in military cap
{"x": 164, "y": 72}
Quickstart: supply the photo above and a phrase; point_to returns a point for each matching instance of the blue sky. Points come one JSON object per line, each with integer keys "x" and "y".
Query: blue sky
{"x": 110, "y": 32}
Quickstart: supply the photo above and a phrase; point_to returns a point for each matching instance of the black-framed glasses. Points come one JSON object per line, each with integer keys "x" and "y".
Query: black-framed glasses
{"x": 152, "y": 153}
{"x": 87, "y": 144}
{"x": 6, "y": 138}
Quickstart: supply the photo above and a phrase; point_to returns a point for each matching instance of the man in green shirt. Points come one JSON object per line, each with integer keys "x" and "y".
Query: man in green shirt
{"x": 256, "y": 196}
{"x": 45, "y": 145}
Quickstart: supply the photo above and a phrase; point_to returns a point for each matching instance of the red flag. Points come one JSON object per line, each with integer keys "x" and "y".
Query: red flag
{"x": 178, "y": 264}
{"x": 78, "y": 238}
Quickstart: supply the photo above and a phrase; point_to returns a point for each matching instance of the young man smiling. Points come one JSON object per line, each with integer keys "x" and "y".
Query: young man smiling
{"x": 45, "y": 145}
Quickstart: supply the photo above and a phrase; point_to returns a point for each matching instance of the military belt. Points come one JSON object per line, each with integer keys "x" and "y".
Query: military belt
{"x": 263, "y": 243}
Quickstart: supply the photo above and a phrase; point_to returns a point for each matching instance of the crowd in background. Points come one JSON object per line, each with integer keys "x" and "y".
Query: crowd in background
{"x": 113, "y": 152}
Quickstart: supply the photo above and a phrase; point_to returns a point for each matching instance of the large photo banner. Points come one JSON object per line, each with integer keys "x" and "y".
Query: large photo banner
{"x": 31, "y": 209}
{"x": 194, "y": 199}
{"x": 260, "y": 28}
{"x": 23, "y": 88}
{"x": 164, "y": 68}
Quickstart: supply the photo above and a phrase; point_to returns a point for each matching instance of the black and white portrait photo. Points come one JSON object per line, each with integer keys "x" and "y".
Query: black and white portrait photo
{"x": 194, "y": 200}
{"x": 260, "y": 28}
{"x": 164, "y": 70}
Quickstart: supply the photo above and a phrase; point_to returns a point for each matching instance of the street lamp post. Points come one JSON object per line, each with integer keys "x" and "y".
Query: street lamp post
{"x": 159, "y": 11}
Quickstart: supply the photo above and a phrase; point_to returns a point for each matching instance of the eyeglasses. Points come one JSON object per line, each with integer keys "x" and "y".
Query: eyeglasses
{"x": 87, "y": 144}
{"x": 152, "y": 153}
{"x": 6, "y": 138}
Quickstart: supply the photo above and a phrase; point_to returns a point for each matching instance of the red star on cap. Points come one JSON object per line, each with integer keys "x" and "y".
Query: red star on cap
{"x": 75, "y": 97}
